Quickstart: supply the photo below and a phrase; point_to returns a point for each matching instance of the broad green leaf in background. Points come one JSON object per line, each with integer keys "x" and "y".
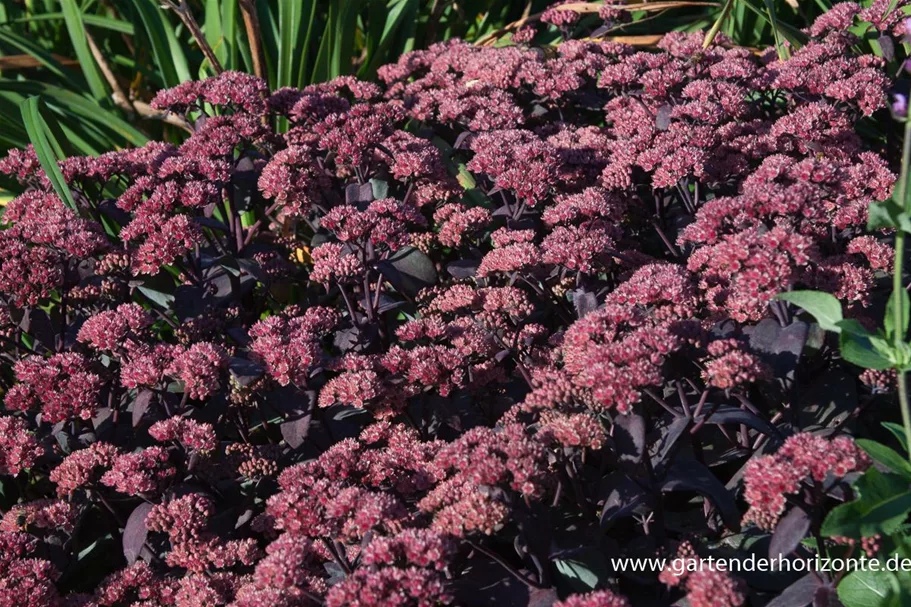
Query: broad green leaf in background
{"x": 898, "y": 431}
{"x": 886, "y": 456}
{"x": 867, "y": 588}
{"x": 882, "y": 505}
{"x": 824, "y": 307}
{"x": 889, "y": 319}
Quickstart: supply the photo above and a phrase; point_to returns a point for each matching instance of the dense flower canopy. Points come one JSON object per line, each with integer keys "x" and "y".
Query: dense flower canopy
{"x": 438, "y": 326}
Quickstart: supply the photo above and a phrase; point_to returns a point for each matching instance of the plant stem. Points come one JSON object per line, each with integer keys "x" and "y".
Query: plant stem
{"x": 182, "y": 8}
{"x": 254, "y": 36}
{"x": 716, "y": 27}
{"x": 898, "y": 281}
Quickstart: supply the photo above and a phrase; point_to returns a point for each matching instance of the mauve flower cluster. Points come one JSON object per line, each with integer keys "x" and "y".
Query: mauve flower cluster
{"x": 397, "y": 343}
{"x": 705, "y": 585}
{"x": 770, "y": 479}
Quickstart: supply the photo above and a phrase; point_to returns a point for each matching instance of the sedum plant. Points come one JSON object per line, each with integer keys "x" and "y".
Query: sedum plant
{"x": 459, "y": 336}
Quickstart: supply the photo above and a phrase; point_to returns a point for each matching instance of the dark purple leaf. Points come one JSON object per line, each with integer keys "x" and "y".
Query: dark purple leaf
{"x": 239, "y": 334}
{"x": 245, "y": 517}
{"x": 584, "y": 302}
{"x": 144, "y": 398}
{"x": 346, "y": 339}
{"x": 829, "y": 400}
{"x": 387, "y": 304}
{"x": 887, "y": 47}
{"x": 484, "y": 583}
{"x": 663, "y": 118}
{"x": 212, "y": 224}
{"x": 38, "y": 324}
{"x": 102, "y": 419}
{"x": 690, "y": 475}
{"x": 463, "y": 268}
{"x": 189, "y": 301}
{"x": 159, "y": 289}
{"x": 789, "y": 532}
{"x": 251, "y": 267}
{"x": 408, "y": 271}
{"x": 781, "y": 347}
{"x": 629, "y": 437}
{"x": 244, "y": 371}
{"x": 135, "y": 532}
{"x": 462, "y": 139}
{"x": 726, "y": 414}
{"x": 623, "y": 497}
{"x": 798, "y": 594}
{"x": 359, "y": 193}
{"x": 670, "y": 435}
{"x": 295, "y": 430}
{"x": 244, "y": 180}
{"x": 826, "y": 596}
{"x": 290, "y": 401}
{"x": 109, "y": 207}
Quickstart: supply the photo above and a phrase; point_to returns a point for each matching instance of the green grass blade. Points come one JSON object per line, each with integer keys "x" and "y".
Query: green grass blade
{"x": 290, "y": 13}
{"x": 395, "y": 15}
{"x": 72, "y": 16}
{"x": 39, "y": 134}
{"x": 41, "y": 56}
{"x": 100, "y": 21}
{"x": 230, "y": 31}
{"x": 337, "y": 43}
{"x": 118, "y": 131}
{"x": 304, "y": 66}
{"x": 343, "y": 50}
{"x": 213, "y": 30}
{"x": 172, "y": 66}
{"x": 269, "y": 28}
{"x": 786, "y": 31}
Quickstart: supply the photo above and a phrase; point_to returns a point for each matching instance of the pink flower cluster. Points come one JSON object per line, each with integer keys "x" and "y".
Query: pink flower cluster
{"x": 446, "y": 326}
{"x": 705, "y": 585}
{"x": 770, "y": 479}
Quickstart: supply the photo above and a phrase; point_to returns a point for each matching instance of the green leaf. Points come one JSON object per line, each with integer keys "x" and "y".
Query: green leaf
{"x": 72, "y": 15}
{"x": 888, "y": 214}
{"x": 113, "y": 130}
{"x": 100, "y": 21}
{"x": 868, "y": 588}
{"x": 886, "y": 456}
{"x": 337, "y": 42}
{"x": 889, "y": 319}
{"x": 214, "y": 33}
{"x": 290, "y": 19}
{"x": 881, "y": 507}
{"x": 394, "y": 17}
{"x": 824, "y": 307}
{"x": 43, "y": 57}
{"x": 585, "y": 570}
{"x": 40, "y": 135}
{"x": 863, "y": 349}
{"x": 898, "y": 431}
{"x": 780, "y": 28}
{"x": 169, "y": 56}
